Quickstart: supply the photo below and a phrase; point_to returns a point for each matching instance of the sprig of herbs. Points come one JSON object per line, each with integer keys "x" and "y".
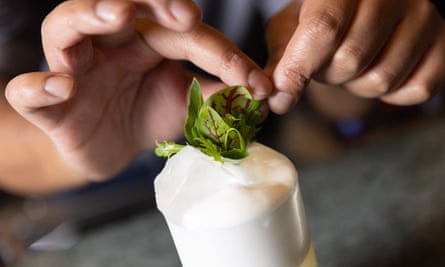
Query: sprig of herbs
{"x": 222, "y": 126}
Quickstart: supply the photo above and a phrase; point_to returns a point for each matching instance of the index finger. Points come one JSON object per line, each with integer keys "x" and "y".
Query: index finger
{"x": 210, "y": 51}
{"x": 71, "y": 24}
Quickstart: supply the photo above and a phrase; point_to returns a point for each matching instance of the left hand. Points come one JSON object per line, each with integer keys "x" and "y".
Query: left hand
{"x": 115, "y": 83}
{"x": 393, "y": 50}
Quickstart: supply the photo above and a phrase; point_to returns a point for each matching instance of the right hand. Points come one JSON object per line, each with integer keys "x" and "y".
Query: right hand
{"x": 393, "y": 50}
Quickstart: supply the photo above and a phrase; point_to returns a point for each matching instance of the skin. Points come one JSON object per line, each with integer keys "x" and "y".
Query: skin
{"x": 389, "y": 50}
{"x": 112, "y": 76}
{"x": 115, "y": 86}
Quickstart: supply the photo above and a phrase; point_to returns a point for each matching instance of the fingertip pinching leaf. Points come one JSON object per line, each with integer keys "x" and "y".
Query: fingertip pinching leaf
{"x": 222, "y": 126}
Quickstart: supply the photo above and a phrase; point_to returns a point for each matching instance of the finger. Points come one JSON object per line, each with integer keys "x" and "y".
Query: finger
{"x": 179, "y": 15}
{"x": 373, "y": 24}
{"x": 33, "y": 94}
{"x": 322, "y": 25}
{"x": 65, "y": 31}
{"x": 210, "y": 51}
{"x": 427, "y": 79}
{"x": 278, "y": 33}
{"x": 398, "y": 59}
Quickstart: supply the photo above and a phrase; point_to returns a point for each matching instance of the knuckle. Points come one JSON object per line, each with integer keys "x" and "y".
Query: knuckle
{"x": 231, "y": 60}
{"x": 324, "y": 25}
{"x": 44, "y": 24}
{"x": 349, "y": 60}
{"x": 190, "y": 40}
{"x": 382, "y": 81}
{"x": 427, "y": 8}
{"x": 428, "y": 17}
{"x": 293, "y": 79}
{"x": 48, "y": 21}
{"x": 297, "y": 78}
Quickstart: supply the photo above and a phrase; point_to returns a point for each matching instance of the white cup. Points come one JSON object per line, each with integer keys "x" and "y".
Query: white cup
{"x": 277, "y": 237}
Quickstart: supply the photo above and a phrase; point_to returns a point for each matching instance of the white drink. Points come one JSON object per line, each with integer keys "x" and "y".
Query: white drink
{"x": 245, "y": 213}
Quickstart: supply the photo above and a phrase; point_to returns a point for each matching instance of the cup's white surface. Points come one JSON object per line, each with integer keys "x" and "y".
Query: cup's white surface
{"x": 244, "y": 213}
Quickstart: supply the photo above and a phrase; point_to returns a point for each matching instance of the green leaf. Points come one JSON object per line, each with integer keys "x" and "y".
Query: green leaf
{"x": 210, "y": 148}
{"x": 167, "y": 149}
{"x": 195, "y": 104}
{"x": 222, "y": 126}
{"x": 211, "y": 125}
{"x": 231, "y": 100}
{"x": 239, "y": 108}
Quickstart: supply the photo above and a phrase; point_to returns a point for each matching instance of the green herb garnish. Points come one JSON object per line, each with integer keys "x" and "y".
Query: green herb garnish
{"x": 222, "y": 126}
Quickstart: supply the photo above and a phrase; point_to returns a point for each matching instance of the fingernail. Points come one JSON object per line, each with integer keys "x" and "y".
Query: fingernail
{"x": 281, "y": 102}
{"x": 106, "y": 10}
{"x": 260, "y": 84}
{"x": 59, "y": 86}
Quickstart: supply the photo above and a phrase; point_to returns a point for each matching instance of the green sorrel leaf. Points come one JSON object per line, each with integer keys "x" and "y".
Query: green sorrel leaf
{"x": 222, "y": 126}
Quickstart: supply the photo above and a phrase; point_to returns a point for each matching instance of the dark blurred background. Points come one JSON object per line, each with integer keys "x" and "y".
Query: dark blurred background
{"x": 372, "y": 184}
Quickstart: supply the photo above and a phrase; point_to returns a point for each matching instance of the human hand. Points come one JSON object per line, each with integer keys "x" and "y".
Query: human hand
{"x": 115, "y": 85}
{"x": 393, "y": 50}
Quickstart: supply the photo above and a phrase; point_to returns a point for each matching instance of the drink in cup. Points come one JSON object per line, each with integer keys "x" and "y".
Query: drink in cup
{"x": 237, "y": 213}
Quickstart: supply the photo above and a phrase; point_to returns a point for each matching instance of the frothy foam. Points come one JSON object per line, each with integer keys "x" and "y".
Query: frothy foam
{"x": 194, "y": 190}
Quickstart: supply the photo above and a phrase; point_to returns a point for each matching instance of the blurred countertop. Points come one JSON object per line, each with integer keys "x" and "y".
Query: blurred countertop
{"x": 381, "y": 203}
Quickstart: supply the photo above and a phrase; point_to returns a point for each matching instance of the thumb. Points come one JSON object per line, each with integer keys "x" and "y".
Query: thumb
{"x": 279, "y": 32}
{"x": 37, "y": 96}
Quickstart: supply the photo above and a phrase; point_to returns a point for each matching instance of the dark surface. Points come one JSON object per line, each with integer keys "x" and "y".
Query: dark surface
{"x": 382, "y": 204}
